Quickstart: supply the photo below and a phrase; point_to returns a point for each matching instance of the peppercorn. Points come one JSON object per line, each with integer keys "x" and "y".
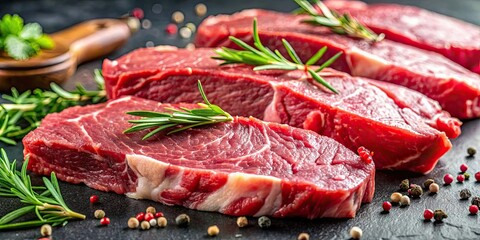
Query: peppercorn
{"x": 477, "y": 176}
{"x": 200, "y": 9}
{"x": 182, "y": 220}
{"x": 99, "y": 214}
{"x": 466, "y": 176}
{"x": 473, "y": 209}
{"x": 149, "y": 216}
{"x": 356, "y": 232}
{"x": 386, "y": 206}
{"x": 93, "y": 199}
{"x": 138, "y": 13}
{"x": 476, "y": 201}
{"x": 303, "y": 236}
{"x": 133, "y": 223}
{"x": 447, "y": 179}
{"x": 405, "y": 200}
{"x": 460, "y": 178}
{"x": 404, "y": 185}
{"x": 162, "y": 222}
{"x": 151, "y": 210}
{"x": 416, "y": 191}
{"x": 46, "y": 230}
{"x": 465, "y": 194}
{"x": 145, "y": 225}
{"x": 434, "y": 188}
{"x": 395, "y": 197}
{"x": 471, "y": 151}
{"x": 191, "y": 26}
{"x": 153, "y": 222}
{"x": 427, "y": 183}
{"x": 428, "y": 214}
{"x": 171, "y": 29}
{"x": 439, "y": 215}
{"x": 213, "y": 231}
{"x": 463, "y": 167}
{"x": 158, "y": 214}
{"x": 242, "y": 222}
{"x": 105, "y": 221}
{"x": 264, "y": 222}
{"x": 178, "y": 17}
{"x": 140, "y": 216}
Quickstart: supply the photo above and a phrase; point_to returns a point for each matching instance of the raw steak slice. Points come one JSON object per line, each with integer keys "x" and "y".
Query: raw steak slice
{"x": 455, "y": 88}
{"x": 244, "y": 167}
{"x": 361, "y": 115}
{"x": 418, "y": 27}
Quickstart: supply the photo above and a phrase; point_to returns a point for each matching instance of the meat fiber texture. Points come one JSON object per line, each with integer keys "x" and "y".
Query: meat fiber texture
{"x": 453, "y": 38}
{"x": 244, "y": 167}
{"x": 403, "y": 128}
{"x": 454, "y": 87}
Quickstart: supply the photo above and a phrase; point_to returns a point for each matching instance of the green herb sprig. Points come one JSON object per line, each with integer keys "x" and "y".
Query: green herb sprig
{"x": 21, "y": 41}
{"x": 44, "y": 202}
{"x": 340, "y": 24}
{"x": 265, "y": 59}
{"x": 27, "y": 109}
{"x": 180, "y": 119}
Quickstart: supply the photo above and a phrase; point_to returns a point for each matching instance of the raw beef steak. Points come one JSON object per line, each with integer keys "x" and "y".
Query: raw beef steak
{"x": 453, "y": 38}
{"x": 244, "y": 167}
{"x": 454, "y": 87}
{"x": 363, "y": 114}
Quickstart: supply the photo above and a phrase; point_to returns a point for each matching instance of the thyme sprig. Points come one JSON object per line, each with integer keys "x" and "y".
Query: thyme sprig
{"x": 44, "y": 202}
{"x": 179, "y": 119}
{"x": 265, "y": 59}
{"x": 340, "y": 24}
{"x": 27, "y": 109}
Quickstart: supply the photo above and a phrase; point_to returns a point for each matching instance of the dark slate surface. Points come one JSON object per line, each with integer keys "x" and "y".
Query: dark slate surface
{"x": 400, "y": 223}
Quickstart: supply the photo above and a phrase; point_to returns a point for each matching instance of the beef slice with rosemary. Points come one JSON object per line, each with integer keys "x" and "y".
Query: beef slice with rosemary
{"x": 405, "y": 129}
{"x": 454, "y": 87}
{"x": 242, "y": 167}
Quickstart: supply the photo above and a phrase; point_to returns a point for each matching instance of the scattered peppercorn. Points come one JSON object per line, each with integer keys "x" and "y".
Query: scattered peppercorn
{"x": 465, "y": 194}
{"x": 404, "y": 185}
{"x": 416, "y": 191}
{"x": 182, "y": 220}
{"x": 471, "y": 151}
{"x": 133, "y": 223}
{"x": 427, "y": 183}
{"x": 190, "y": 46}
{"x": 99, "y": 214}
{"x": 137, "y": 13}
{"x": 405, "y": 200}
{"x": 185, "y": 32}
{"x": 146, "y": 24}
{"x": 439, "y": 215}
{"x": 303, "y": 236}
{"x": 178, "y": 17}
{"x": 149, "y": 216}
{"x": 191, "y": 26}
{"x": 140, "y": 216}
{"x": 171, "y": 29}
{"x": 200, "y": 9}
{"x": 460, "y": 178}
{"x": 46, "y": 230}
{"x": 448, "y": 179}
{"x": 242, "y": 222}
{"x": 463, "y": 167}
{"x": 158, "y": 214}
{"x": 105, "y": 221}
{"x": 162, "y": 222}
{"x": 476, "y": 201}
{"x": 386, "y": 206}
{"x": 153, "y": 222}
{"x": 395, "y": 197}
{"x": 434, "y": 188}
{"x": 477, "y": 176}
{"x": 264, "y": 222}
{"x": 356, "y": 232}
{"x": 145, "y": 225}
{"x": 93, "y": 199}
{"x": 473, "y": 209}
{"x": 428, "y": 214}
{"x": 157, "y": 8}
{"x": 213, "y": 231}
{"x": 467, "y": 176}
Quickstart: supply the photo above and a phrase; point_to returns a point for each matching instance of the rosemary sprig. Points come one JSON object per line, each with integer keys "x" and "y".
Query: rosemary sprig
{"x": 27, "y": 109}
{"x": 265, "y": 59}
{"x": 48, "y": 206}
{"x": 340, "y": 24}
{"x": 180, "y": 119}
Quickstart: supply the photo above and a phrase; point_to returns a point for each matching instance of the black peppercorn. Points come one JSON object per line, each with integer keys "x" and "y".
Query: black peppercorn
{"x": 476, "y": 201}
{"x": 416, "y": 191}
{"x": 467, "y": 176}
{"x": 182, "y": 220}
{"x": 427, "y": 183}
{"x": 264, "y": 222}
{"x": 471, "y": 151}
{"x": 439, "y": 215}
{"x": 404, "y": 185}
{"x": 465, "y": 194}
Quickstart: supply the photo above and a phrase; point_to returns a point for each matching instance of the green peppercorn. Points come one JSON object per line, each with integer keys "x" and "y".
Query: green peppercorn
{"x": 476, "y": 201}
{"x": 404, "y": 185}
{"x": 182, "y": 220}
{"x": 416, "y": 191}
{"x": 427, "y": 183}
{"x": 465, "y": 194}
{"x": 264, "y": 222}
{"x": 439, "y": 215}
{"x": 467, "y": 176}
{"x": 471, "y": 151}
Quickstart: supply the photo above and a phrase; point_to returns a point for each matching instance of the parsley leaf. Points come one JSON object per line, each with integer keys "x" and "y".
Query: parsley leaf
{"x": 18, "y": 48}
{"x": 11, "y": 24}
{"x": 31, "y": 31}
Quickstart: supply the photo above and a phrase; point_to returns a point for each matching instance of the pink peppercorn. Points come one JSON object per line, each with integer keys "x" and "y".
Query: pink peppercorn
{"x": 137, "y": 13}
{"x": 158, "y": 214}
{"x": 477, "y": 176}
{"x": 428, "y": 214}
{"x": 140, "y": 217}
{"x": 105, "y": 221}
{"x": 171, "y": 29}
{"x": 460, "y": 178}
{"x": 149, "y": 216}
{"x": 93, "y": 199}
{"x": 387, "y": 206}
{"x": 448, "y": 178}
{"x": 463, "y": 167}
{"x": 473, "y": 209}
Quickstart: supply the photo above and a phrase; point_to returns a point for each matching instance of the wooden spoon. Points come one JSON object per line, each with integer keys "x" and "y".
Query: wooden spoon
{"x": 74, "y": 45}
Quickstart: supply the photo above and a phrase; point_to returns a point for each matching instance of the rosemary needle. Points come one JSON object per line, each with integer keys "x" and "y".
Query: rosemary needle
{"x": 179, "y": 119}
{"x": 265, "y": 59}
